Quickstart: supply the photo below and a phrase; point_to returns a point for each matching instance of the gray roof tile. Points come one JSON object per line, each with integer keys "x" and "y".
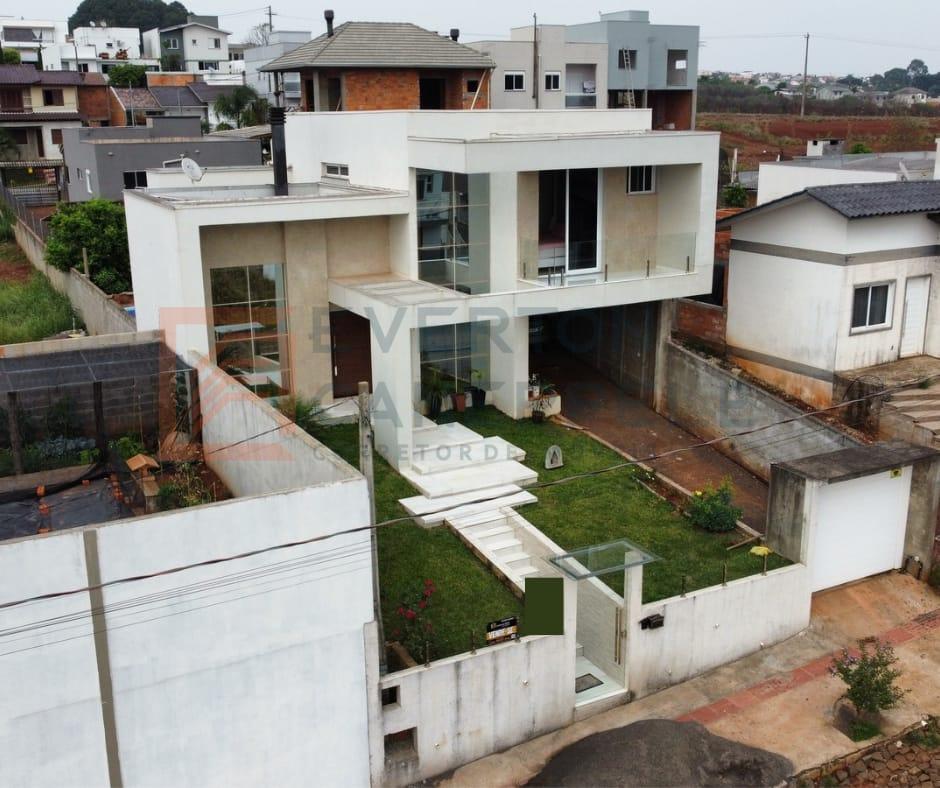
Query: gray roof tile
{"x": 380, "y": 45}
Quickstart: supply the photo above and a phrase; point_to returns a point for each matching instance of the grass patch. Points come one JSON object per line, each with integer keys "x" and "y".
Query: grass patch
{"x": 862, "y": 730}
{"x": 615, "y": 505}
{"x": 30, "y": 308}
{"x": 468, "y": 594}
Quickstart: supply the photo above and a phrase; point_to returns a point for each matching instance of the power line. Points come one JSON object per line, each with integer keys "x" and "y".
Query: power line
{"x": 409, "y": 518}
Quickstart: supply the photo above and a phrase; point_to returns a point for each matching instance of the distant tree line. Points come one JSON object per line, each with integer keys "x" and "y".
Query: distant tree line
{"x": 142, "y": 14}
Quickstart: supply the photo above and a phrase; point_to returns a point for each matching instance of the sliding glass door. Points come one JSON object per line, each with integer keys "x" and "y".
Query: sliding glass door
{"x": 568, "y": 220}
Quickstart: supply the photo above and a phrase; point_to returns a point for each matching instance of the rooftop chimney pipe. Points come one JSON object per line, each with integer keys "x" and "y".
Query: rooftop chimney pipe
{"x": 278, "y": 150}
{"x": 455, "y": 33}
{"x": 328, "y": 16}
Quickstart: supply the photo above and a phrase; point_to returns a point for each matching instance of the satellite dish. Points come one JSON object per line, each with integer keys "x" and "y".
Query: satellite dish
{"x": 193, "y": 171}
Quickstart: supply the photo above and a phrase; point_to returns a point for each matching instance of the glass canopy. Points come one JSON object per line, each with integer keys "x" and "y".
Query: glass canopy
{"x": 602, "y": 559}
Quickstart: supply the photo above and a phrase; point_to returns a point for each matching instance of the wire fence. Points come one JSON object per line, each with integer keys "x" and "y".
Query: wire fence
{"x": 21, "y": 199}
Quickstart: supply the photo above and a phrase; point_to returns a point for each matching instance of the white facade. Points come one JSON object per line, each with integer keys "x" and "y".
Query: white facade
{"x": 280, "y": 42}
{"x": 96, "y": 49}
{"x": 194, "y": 47}
{"x": 793, "y": 275}
{"x": 29, "y": 36}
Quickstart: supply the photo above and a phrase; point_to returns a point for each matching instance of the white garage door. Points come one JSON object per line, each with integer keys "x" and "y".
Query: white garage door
{"x": 914, "y": 325}
{"x": 859, "y": 528}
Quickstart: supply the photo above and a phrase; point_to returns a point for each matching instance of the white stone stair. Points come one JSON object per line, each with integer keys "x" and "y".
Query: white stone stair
{"x": 470, "y": 477}
{"x": 446, "y": 457}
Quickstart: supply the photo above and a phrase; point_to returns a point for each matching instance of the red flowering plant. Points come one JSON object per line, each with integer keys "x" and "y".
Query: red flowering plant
{"x": 413, "y": 629}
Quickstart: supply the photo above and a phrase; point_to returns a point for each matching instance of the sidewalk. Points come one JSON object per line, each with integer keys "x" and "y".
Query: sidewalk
{"x": 780, "y": 698}
{"x": 595, "y": 403}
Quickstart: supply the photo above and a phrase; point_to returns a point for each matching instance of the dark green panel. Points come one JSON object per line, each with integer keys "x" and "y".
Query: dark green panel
{"x": 544, "y": 612}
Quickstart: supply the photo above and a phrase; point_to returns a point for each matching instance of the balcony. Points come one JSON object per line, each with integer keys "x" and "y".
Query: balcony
{"x": 613, "y": 260}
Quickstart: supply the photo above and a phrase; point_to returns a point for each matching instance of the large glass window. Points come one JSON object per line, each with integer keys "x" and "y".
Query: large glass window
{"x": 457, "y": 355}
{"x": 454, "y": 230}
{"x": 249, "y": 316}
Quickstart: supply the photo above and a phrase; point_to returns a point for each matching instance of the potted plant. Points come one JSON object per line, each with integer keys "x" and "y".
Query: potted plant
{"x": 541, "y": 402}
{"x": 434, "y": 393}
{"x": 458, "y": 398}
{"x": 477, "y": 394}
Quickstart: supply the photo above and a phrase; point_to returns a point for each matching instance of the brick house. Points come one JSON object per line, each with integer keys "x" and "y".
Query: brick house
{"x": 387, "y": 65}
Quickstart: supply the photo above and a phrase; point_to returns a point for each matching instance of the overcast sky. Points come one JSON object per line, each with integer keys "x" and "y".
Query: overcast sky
{"x": 904, "y": 29}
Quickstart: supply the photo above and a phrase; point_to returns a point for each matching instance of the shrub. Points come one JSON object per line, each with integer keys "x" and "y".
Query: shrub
{"x": 869, "y": 676}
{"x": 302, "y": 411}
{"x": 860, "y": 147}
{"x": 860, "y": 730}
{"x": 734, "y": 195}
{"x": 933, "y": 579}
{"x": 127, "y": 446}
{"x": 413, "y": 630}
{"x": 713, "y": 510}
{"x": 100, "y": 227}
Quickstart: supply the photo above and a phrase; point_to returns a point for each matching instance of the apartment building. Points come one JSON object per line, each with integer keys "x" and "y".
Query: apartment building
{"x": 386, "y": 65}
{"x": 30, "y": 37}
{"x": 411, "y": 248}
{"x": 198, "y": 45}
{"x": 620, "y": 61}
{"x": 279, "y": 43}
{"x": 98, "y": 48}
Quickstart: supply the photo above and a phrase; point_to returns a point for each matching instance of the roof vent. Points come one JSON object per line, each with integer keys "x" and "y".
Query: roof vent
{"x": 454, "y": 33}
{"x": 328, "y": 16}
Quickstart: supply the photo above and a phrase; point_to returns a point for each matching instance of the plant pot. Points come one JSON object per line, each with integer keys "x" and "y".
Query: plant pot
{"x": 459, "y": 399}
{"x": 478, "y": 396}
{"x": 434, "y": 406}
{"x": 538, "y": 416}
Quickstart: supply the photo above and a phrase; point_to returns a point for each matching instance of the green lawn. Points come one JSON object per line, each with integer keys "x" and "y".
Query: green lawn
{"x": 576, "y": 514}
{"x": 30, "y": 308}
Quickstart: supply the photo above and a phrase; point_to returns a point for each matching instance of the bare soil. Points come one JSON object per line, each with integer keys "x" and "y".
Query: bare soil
{"x": 14, "y": 267}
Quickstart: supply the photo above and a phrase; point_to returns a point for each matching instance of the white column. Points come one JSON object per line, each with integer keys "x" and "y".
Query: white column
{"x": 393, "y": 409}
{"x": 509, "y": 364}
{"x": 504, "y": 231}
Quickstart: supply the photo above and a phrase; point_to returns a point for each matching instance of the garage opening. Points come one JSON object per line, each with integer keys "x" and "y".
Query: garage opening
{"x": 616, "y": 343}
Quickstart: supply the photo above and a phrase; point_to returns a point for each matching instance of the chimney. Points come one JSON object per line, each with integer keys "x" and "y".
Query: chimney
{"x": 328, "y": 16}
{"x": 936, "y": 162}
{"x": 454, "y": 33}
{"x": 278, "y": 150}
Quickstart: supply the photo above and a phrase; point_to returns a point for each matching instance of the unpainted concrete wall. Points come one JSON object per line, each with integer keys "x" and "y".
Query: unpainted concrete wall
{"x": 714, "y": 626}
{"x": 711, "y": 402}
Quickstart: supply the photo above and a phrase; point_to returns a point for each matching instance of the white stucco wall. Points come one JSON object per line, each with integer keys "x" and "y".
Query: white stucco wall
{"x": 778, "y": 179}
{"x": 716, "y": 625}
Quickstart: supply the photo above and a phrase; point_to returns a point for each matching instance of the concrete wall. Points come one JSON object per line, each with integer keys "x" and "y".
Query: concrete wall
{"x": 471, "y": 705}
{"x": 715, "y": 625}
{"x": 710, "y": 402}
{"x": 778, "y": 179}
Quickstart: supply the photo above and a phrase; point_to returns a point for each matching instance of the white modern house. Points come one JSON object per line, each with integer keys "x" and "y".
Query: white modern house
{"x": 29, "y": 37}
{"x": 412, "y": 248}
{"x": 97, "y": 48}
{"x": 198, "y": 45}
{"x": 279, "y": 42}
{"x": 833, "y": 279}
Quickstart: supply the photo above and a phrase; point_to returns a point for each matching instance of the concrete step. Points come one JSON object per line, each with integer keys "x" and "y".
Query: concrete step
{"x": 490, "y": 517}
{"x": 513, "y": 558}
{"x": 461, "y": 480}
{"x": 468, "y": 510}
{"x": 909, "y": 395}
{"x": 443, "y": 435}
{"x": 435, "y": 459}
{"x": 579, "y": 650}
{"x": 495, "y": 544}
{"x": 522, "y": 571}
{"x": 421, "y": 505}
{"x": 933, "y": 426}
{"x": 922, "y": 416}
{"x": 477, "y": 532}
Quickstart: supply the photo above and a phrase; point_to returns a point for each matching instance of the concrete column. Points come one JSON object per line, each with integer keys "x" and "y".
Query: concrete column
{"x": 509, "y": 365}
{"x": 633, "y": 677}
{"x": 667, "y": 316}
{"x": 392, "y": 404}
{"x": 504, "y": 223}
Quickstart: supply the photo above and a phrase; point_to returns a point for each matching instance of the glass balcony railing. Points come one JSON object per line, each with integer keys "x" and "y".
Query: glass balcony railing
{"x": 611, "y": 260}
{"x": 580, "y": 100}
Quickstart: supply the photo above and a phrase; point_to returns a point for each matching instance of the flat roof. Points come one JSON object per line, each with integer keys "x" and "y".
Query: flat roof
{"x": 845, "y": 464}
{"x": 221, "y": 195}
{"x": 918, "y": 163}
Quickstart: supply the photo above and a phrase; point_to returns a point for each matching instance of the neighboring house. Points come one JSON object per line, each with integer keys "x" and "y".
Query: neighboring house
{"x": 194, "y": 98}
{"x": 30, "y": 37}
{"x": 909, "y": 96}
{"x": 98, "y": 49}
{"x": 426, "y": 241}
{"x": 196, "y": 46}
{"x": 105, "y": 162}
{"x": 828, "y": 146}
{"x": 206, "y": 94}
{"x": 132, "y": 106}
{"x": 386, "y": 65}
{"x": 833, "y": 91}
{"x": 35, "y": 106}
{"x": 236, "y": 57}
{"x": 620, "y": 61}
{"x": 280, "y": 42}
{"x": 833, "y": 279}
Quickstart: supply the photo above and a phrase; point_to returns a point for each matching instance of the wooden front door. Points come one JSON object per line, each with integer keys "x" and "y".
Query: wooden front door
{"x": 352, "y": 352}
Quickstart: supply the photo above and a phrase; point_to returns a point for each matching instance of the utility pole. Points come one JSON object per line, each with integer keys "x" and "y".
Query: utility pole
{"x": 270, "y": 21}
{"x": 535, "y": 59}
{"x": 365, "y": 468}
{"x": 805, "y": 75}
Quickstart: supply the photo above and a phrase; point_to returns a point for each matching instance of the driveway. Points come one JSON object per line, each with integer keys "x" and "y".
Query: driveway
{"x": 779, "y": 698}
{"x": 593, "y": 402}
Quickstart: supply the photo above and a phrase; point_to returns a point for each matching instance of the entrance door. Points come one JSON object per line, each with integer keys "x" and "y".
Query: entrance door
{"x": 352, "y": 352}
{"x": 431, "y": 92}
{"x": 914, "y": 326}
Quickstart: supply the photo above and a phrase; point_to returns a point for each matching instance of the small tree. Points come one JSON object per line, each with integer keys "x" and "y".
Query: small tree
{"x": 860, "y": 147}
{"x": 713, "y": 510}
{"x": 9, "y": 150}
{"x": 11, "y": 57}
{"x": 100, "y": 227}
{"x": 869, "y": 676}
{"x": 235, "y": 105}
{"x": 734, "y": 195}
{"x": 128, "y": 75}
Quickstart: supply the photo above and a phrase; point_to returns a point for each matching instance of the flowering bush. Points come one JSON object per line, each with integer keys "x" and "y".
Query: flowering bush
{"x": 713, "y": 510}
{"x": 869, "y": 676}
{"x": 414, "y": 630}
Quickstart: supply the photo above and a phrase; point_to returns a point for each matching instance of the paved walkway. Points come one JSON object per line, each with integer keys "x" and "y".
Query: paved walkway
{"x": 780, "y": 698}
{"x": 623, "y": 421}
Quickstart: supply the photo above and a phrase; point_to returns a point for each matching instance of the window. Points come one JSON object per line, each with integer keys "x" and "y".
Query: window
{"x": 78, "y": 172}
{"x": 53, "y": 97}
{"x": 401, "y": 746}
{"x": 83, "y": 67}
{"x": 249, "y": 316}
{"x": 171, "y": 43}
{"x": 56, "y": 136}
{"x": 389, "y": 696}
{"x": 553, "y": 80}
{"x": 208, "y": 65}
{"x": 473, "y": 85}
{"x": 626, "y": 59}
{"x": 452, "y": 354}
{"x": 641, "y": 180}
{"x": 514, "y": 81}
{"x": 135, "y": 179}
{"x": 195, "y": 42}
{"x": 216, "y": 43}
{"x": 336, "y": 170}
{"x": 871, "y": 306}
{"x": 20, "y": 136}
{"x": 88, "y": 182}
